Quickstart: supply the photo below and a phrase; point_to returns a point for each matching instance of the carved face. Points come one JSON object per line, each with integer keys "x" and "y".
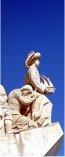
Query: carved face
{"x": 37, "y": 62}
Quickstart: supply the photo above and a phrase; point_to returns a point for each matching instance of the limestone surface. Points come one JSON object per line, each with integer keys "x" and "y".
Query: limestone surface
{"x": 44, "y": 141}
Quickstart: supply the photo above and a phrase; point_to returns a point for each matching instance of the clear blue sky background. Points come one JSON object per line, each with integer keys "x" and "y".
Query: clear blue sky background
{"x": 34, "y": 25}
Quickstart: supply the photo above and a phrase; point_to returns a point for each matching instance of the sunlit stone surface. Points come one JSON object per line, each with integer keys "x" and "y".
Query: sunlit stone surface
{"x": 41, "y": 141}
{"x": 34, "y": 143}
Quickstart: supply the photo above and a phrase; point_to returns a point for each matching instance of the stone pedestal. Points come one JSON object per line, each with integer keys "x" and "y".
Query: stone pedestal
{"x": 39, "y": 142}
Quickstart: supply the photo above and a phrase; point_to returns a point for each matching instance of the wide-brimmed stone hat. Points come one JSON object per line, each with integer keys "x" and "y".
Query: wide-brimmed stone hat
{"x": 32, "y": 57}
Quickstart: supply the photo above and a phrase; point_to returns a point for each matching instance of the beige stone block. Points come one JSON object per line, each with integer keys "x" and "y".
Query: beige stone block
{"x": 42, "y": 141}
{"x": 45, "y": 141}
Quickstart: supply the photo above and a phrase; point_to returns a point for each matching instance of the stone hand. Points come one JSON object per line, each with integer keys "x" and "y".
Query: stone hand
{"x": 49, "y": 90}
{"x": 46, "y": 81}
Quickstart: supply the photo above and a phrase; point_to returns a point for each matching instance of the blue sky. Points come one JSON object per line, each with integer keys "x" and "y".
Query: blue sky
{"x": 34, "y": 25}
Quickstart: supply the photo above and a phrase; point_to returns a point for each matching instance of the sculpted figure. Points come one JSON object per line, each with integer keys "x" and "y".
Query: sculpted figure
{"x": 41, "y": 107}
{"x": 5, "y": 113}
{"x": 22, "y": 99}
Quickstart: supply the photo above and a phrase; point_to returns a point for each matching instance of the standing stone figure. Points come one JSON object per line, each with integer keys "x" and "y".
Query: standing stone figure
{"x": 41, "y": 107}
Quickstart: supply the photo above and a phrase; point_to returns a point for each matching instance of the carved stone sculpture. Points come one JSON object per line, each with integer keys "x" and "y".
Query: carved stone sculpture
{"x": 5, "y": 115}
{"x": 25, "y": 116}
{"x": 22, "y": 99}
{"x": 41, "y": 107}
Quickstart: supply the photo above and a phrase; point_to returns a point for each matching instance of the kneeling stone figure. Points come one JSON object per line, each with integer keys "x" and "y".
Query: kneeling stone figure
{"x": 21, "y": 99}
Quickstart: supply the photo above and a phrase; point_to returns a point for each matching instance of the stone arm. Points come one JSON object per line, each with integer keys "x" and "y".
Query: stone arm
{"x": 24, "y": 100}
{"x": 35, "y": 82}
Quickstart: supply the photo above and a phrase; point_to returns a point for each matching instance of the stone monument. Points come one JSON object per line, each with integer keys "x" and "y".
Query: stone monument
{"x": 26, "y": 128}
